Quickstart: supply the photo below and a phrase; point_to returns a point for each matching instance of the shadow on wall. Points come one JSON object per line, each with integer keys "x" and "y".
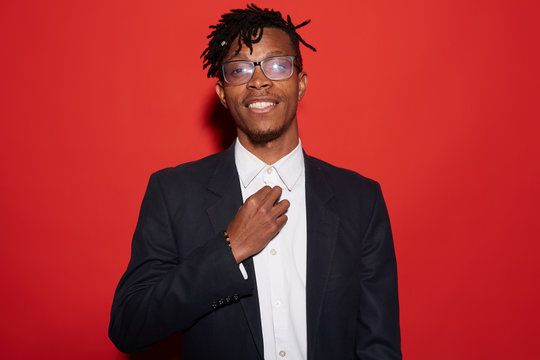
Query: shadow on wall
{"x": 167, "y": 349}
{"x": 221, "y": 124}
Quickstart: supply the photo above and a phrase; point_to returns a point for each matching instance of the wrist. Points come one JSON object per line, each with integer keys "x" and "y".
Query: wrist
{"x": 238, "y": 257}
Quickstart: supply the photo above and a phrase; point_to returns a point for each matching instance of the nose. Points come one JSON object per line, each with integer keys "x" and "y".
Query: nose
{"x": 259, "y": 80}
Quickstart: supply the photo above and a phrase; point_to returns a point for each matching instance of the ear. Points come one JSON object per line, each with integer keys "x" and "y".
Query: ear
{"x": 220, "y": 91}
{"x": 302, "y": 84}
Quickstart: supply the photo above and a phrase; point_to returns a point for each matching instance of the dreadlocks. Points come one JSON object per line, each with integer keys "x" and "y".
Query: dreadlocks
{"x": 247, "y": 25}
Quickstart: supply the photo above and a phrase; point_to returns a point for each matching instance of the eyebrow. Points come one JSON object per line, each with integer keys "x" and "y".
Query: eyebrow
{"x": 245, "y": 57}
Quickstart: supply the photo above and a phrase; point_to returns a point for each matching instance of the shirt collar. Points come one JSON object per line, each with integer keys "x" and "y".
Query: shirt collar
{"x": 289, "y": 168}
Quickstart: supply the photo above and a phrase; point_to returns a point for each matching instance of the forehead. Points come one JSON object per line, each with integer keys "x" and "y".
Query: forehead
{"x": 273, "y": 42}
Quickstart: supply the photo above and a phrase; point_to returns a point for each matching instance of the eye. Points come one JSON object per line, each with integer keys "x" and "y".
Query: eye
{"x": 278, "y": 65}
{"x": 237, "y": 69}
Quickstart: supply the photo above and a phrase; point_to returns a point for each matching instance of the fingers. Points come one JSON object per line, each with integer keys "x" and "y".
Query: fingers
{"x": 273, "y": 196}
{"x": 272, "y": 206}
{"x": 263, "y": 192}
{"x": 257, "y": 221}
{"x": 266, "y": 197}
{"x": 281, "y": 221}
{"x": 280, "y": 208}
{"x": 265, "y": 207}
{"x": 258, "y": 198}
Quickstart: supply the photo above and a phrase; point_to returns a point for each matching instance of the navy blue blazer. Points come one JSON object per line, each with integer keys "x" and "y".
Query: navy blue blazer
{"x": 183, "y": 277}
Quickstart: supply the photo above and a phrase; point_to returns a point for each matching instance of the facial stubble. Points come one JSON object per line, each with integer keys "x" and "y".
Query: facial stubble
{"x": 263, "y": 137}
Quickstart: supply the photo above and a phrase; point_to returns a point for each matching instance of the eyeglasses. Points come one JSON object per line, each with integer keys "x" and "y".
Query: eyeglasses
{"x": 274, "y": 68}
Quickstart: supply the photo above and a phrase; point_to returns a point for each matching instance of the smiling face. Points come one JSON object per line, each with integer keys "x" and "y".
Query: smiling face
{"x": 264, "y": 110}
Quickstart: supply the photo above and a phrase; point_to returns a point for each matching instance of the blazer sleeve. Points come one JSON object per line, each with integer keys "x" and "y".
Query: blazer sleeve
{"x": 159, "y": 295}
{"x": 378, "y": 323}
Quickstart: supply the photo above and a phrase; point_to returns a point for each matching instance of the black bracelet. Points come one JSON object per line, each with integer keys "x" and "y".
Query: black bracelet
{"x": 227, "y": 238}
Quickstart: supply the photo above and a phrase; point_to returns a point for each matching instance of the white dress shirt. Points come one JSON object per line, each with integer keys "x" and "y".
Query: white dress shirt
{"x": 280, "y": 268}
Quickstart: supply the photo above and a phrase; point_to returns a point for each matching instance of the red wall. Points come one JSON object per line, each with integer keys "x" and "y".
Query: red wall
{"x": 438, "y": 100}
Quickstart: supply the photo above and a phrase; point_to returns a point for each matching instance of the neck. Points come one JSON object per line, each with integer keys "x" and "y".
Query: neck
{"x": 270, "y": 152}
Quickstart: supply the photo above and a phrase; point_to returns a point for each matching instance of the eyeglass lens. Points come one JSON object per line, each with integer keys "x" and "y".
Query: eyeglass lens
{"x": 274, "y": 68}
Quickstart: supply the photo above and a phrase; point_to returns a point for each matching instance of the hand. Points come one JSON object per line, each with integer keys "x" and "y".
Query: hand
{"x": 257, "y": 222}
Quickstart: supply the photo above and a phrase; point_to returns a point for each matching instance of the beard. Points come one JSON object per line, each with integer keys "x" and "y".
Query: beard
{"x": 263, "y": 137}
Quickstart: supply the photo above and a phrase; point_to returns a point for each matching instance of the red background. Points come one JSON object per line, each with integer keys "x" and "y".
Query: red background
{"x": 438, "y": 100}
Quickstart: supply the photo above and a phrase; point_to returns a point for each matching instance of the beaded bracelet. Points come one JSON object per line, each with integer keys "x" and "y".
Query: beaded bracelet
{"x": 227, "y": 238}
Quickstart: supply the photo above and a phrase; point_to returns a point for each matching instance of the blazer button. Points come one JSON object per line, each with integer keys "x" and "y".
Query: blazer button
{"x": 214, "y": 305}
{"x": 235, "y": 297}
{"x": 221, "y": 302}
{"x": 228, "y": 299}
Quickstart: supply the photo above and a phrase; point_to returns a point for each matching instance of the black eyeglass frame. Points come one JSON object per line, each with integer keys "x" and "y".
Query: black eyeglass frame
{"x": 260, "y": 64}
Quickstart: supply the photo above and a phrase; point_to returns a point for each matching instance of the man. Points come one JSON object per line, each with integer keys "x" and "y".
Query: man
{"x": 303, "y": 269}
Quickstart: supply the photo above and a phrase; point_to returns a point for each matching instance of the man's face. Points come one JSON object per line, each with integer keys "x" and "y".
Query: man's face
{"x": 264, "y": 110}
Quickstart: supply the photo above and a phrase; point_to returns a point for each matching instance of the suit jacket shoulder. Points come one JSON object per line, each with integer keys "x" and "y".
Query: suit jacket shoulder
{"x": 195, "y": 172}
{"x": 195, "y": 182}
{"x": 341, "y": 174}
{"x": 347, "y": 188}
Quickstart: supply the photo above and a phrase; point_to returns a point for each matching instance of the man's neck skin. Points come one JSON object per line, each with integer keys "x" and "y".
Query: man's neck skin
{"x": 270, "y": 152}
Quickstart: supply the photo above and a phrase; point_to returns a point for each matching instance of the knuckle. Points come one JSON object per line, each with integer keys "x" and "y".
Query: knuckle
{"x": 251, "y": 202}
{"x": 269, "y": 224}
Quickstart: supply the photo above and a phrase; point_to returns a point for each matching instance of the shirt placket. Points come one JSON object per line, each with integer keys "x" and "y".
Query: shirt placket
{"x": 275, "y": 259}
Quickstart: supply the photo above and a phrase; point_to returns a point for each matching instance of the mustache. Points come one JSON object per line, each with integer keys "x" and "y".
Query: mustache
{"x": 261, "y": 96}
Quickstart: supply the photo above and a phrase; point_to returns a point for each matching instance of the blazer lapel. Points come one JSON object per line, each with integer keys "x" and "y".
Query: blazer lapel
{"x": 225, "y": 197}
{"x": 322, "y": 230}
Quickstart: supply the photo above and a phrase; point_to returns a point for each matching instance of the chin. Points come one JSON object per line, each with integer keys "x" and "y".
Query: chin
{"x": 263, "y": 137}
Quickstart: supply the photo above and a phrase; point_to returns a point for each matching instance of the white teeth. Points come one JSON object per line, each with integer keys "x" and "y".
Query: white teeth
{"x": 261, "y": 105}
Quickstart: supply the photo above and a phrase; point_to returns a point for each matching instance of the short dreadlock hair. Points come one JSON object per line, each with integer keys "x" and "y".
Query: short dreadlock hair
{"x": 247, "y": 25}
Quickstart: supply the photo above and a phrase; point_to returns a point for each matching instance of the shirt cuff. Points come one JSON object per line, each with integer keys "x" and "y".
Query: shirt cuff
{"x": 243, "y": 271}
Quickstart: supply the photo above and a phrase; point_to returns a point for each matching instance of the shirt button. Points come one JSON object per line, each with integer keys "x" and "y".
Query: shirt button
{"x": 273, "y": 252}
{"x": 282, "y": 353}
{"x": 278, "y": 302}
{"x": 269, "y": 171}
